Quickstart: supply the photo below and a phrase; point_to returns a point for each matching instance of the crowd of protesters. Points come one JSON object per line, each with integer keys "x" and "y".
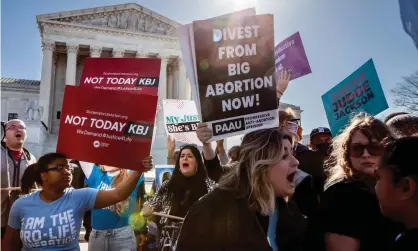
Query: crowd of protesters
{"x": 357, "y": 191}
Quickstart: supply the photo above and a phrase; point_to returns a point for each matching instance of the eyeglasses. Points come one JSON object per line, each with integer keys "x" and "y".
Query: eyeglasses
{"x": 357, "y": 150}
{"x": 16, "y": 127}
{"x": 61, "y": 168}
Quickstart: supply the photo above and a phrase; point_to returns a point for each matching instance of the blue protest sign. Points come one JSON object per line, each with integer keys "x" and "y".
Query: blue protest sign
{"x": 361, "y": 91}
{"x": 162, "y": 173}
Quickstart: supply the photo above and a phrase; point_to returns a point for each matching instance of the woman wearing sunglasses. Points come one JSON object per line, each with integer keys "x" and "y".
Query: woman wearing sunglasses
{"x": 350, "y": 214}
{"x": 50, "y": 219}
{"x": 187, "y": 184}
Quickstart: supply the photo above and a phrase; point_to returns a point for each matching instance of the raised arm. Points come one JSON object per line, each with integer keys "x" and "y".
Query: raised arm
{"x": 221, "y": 152}
{"x": 213, "y": 165}
{"x": 123, "y": 190}
{"x": 282, "y": 83}
{"x": 204, "y": 134}
{"x": 171, "y": 147}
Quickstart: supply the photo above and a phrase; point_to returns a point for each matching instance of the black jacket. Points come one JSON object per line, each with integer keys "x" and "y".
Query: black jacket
{"x": 220, "y": 221}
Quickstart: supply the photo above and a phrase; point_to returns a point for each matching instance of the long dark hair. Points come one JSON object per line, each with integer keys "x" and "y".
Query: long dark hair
{"x": 187, "y": 190}
{"x": 28, "y": 179}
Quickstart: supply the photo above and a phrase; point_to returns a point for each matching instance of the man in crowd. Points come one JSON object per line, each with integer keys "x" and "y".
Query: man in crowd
{"x": 403, "y": 125}
{"x": 320, "y": 140}
{"x": 320, "y": 143}
{"x": 392, "y": 115}
{"x": 14, "y": 160}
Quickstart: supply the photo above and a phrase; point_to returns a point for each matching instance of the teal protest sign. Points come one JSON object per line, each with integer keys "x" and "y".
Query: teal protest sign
{"x": 361, "y": 91}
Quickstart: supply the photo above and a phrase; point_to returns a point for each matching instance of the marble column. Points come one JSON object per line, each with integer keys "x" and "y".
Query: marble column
{"x": 162, "y": 89}
{"x": 53, "y": 85}
{"x": 72, "y": 50}
{"x": 176, "y": 89}
{"x": 170, "y": 82}
{"x": 183, "y": 90}
{"x": 118, "y": 53}
{"x": 159, "y": 146}
{"x": 4, "y": 109}
{"x": 95, "y": 51}
{"x": 48, "y": 47}
{"x": 188, "y": 89}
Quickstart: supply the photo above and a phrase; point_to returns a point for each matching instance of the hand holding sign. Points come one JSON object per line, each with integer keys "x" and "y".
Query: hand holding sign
{"x": 147, "y": 163}
{"x": 220, "y": 143}
{"x": 283, "y": 82}
{"x": 171, "y": 144}
{"x": 204, "y": 133}
{"x": 147, "y": 210}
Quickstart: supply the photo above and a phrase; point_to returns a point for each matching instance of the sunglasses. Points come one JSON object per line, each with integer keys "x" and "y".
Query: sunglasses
{"x": 357, "y": 150}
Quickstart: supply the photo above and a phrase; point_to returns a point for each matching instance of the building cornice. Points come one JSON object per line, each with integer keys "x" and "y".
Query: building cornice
{"x": 47, "y": 27}
{"x": 124, "y": 20}
{"x": 106, "y": 9}
{"x": 14, "y": 89}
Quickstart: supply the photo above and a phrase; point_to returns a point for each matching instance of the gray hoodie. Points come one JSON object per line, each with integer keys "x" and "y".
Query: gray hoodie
{"x": 7, "y": 172}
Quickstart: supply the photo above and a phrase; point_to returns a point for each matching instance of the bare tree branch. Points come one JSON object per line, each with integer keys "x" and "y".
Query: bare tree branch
{"x": 406, "y": 93}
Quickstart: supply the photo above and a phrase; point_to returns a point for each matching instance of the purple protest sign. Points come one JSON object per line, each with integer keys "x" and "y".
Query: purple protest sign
{"x": 290, "y": 55}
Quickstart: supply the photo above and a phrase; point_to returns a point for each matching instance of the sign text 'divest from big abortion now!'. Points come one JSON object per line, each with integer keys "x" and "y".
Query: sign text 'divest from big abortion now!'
{"x": 235, "y": 71}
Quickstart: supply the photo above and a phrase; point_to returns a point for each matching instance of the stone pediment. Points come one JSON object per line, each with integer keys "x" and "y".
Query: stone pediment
{"x": 128, "y": 17}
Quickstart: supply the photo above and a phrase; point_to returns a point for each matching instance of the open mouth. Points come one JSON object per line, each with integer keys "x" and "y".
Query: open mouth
{"x": 186, "y": 165}
{"x": 18, "y": 135}
{"x": 291, "y": 177}
{"x": 368, "y": 164}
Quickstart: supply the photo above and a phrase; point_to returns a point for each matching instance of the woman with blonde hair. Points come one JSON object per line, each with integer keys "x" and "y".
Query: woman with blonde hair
{"x": 249, "y": 209}
{"x": 349, "y": 214}
{"x": 110, "y": 226}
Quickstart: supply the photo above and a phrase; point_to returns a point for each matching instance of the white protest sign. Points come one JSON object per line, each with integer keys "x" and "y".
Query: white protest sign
{"x": 181, "y": 120}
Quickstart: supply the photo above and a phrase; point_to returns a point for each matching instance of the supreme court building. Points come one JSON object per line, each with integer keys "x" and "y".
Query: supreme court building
{"x": 68, "y": 38}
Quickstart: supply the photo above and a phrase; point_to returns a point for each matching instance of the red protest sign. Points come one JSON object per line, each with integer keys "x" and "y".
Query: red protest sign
{"x": 106, "y": 127}
{"x": 140, "y": 75}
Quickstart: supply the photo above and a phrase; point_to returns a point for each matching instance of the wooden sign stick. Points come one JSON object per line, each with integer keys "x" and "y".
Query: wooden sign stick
{"x": 168, "y": 216}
